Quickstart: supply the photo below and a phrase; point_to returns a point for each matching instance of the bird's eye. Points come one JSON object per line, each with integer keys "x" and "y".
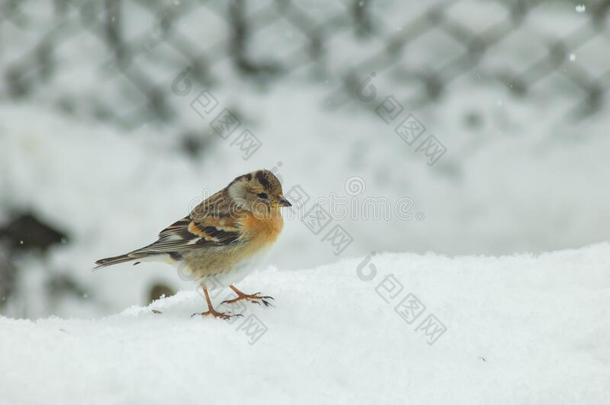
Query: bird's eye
{"x": 264, "y": 196}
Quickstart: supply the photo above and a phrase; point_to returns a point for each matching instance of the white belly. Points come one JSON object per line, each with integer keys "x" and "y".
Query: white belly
{"x": 223, "y": 279}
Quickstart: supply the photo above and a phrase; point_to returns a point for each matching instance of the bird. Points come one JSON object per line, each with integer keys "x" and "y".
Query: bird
{"x": 217, "y": 240}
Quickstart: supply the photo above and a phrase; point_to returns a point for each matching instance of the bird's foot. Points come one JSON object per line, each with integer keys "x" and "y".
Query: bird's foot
{"x": 256, "y": 298}
{"x": 216, "y": 314}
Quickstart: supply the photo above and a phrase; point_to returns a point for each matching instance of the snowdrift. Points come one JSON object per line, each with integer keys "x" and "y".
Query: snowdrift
{"x": 390, "y": 328}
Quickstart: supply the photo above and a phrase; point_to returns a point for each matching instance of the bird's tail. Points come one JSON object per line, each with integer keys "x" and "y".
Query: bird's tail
{"x": 111, "y": 261}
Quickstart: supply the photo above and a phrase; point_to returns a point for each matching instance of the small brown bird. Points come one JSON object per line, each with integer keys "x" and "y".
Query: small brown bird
{"x": 220, "y": 236}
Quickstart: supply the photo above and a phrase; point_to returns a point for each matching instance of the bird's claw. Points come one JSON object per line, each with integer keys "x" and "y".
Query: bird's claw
{"x": 255, "y": 298}
{"x": 216, "y": 314}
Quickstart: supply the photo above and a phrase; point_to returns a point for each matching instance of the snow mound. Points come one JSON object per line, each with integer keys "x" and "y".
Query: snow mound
{"x": 389, "y": 328}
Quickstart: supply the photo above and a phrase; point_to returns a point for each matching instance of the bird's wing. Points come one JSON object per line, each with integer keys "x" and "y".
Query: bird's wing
{"x": 210, "y": 224}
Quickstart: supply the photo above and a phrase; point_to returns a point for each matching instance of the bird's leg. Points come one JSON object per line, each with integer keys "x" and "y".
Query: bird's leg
{"x": 256, "y": 298}
{"x": 211, "y": 311}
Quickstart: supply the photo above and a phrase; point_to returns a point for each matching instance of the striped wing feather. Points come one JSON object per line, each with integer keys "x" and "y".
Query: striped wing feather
{"x": 210, "y": 224}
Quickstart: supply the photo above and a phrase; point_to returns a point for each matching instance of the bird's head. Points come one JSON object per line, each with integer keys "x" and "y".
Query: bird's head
{"x": 259, "y": 192}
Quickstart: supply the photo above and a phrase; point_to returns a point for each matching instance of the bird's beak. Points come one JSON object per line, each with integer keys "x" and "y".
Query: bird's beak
{"x": 284, "y": 202}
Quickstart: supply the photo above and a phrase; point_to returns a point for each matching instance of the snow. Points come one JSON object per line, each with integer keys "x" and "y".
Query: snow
{"x": 520, "y": 174}
{"x": 519, "y": 329}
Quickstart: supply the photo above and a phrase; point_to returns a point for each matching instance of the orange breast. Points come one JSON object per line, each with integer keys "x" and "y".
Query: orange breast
{"x": 263, "y": 230}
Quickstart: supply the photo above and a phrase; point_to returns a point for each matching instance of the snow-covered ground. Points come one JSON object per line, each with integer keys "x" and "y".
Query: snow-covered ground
{"x": 391, "y": 328}
{"x": 520, "y": 174}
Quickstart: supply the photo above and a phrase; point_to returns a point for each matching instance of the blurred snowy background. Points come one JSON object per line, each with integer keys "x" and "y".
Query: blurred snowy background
{"x": 458, "y": 127}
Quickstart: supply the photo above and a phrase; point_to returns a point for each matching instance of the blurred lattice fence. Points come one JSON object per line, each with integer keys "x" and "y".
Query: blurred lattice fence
{"x": 116, "y": 59}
